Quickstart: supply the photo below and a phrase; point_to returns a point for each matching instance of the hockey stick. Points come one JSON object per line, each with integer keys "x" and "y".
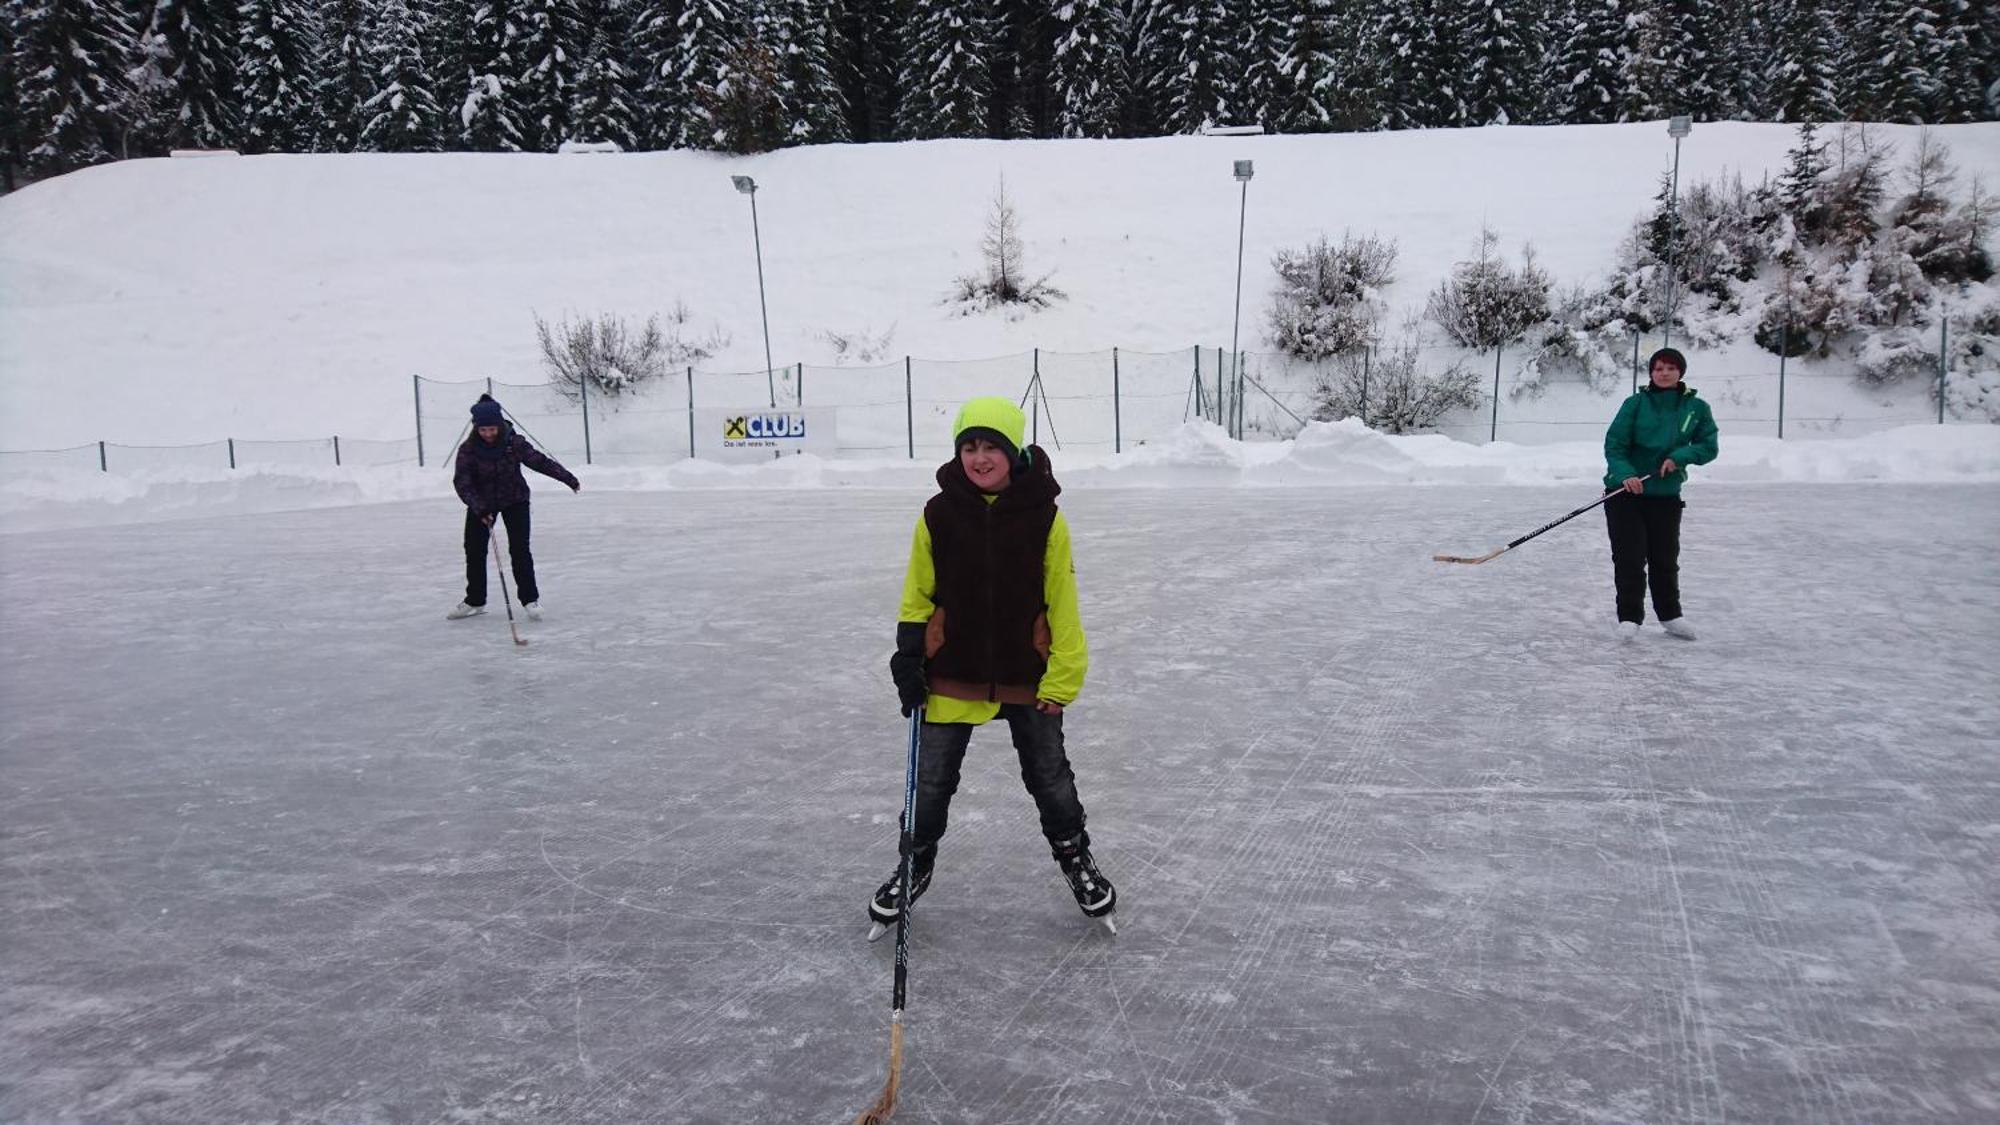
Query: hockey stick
{"x": 493, "y": 537}
{"x": 1523, "y": 539}
{"x": 885, "y": 1105}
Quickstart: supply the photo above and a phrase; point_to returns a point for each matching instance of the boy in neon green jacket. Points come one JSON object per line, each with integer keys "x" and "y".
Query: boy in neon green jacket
{"x": 988, "y": 628}
{"x": 1659, "y": 431}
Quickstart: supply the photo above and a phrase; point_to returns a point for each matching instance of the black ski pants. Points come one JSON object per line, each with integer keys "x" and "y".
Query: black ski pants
{"x": 1038, "y": 742}
{"x": 515, "y": 518}
{"x": 1646, "y": 550}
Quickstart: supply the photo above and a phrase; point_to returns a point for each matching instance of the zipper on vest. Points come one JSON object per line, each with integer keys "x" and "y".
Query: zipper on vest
{"x": 992, "y": 606}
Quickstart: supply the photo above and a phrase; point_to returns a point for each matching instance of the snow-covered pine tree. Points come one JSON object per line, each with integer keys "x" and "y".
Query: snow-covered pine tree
{"x": 401, "y": 114}
{"x": 810, "y": 101}
{"x": 1259, "y": 33}
{"x": 13, "y": 145}
{"x": 1799, "y": 194}
{"x": 548, "y": 60}
{"x": 1936, "y": 236}
{"x": 274, "y": 78}
{"x": 1804, "y": 58}
{"x": 1306, "y": 69}
{"x": 1357, "y": 98}
{"x": 1865, "y": 43}
{"x": 65, "y": 59}
{"x": 869, "y": 44}
{"x": 946, "y": 78}
{"x": 344, "y": 78}
{"x": 1404, "y": 37}
{"x": 1943, "y": 33}
{"x": 487, "y": 117}
{"x": 1591, "y": 57}
{"x": 603, "y": 106}
{"x": 1853, "y": 188}
{"x": 1448, "y": 62}
{"x": 1087, "y": 67}
{"x": 1487, "y": 304}
{"x": 746, "y": 106}
{"x": 1023, "y": 102}
{"x": 1502, "y": 60}
{"x": 188, "y": 74}
{"x": 1191, "y": 31}
{"x": 655, "y": 42}
{"x": 698, "y": 62}
{"x": 1690, "y": 61}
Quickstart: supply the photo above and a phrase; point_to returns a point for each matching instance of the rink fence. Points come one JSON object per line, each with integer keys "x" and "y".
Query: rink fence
{"x": 1106, "y": 401}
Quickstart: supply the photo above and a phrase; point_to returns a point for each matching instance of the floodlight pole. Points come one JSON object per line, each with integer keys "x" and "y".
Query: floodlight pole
{"x": 1677, "y": 128}
{"x": 1244, "y": 170}
{"x": 748, "y": 187}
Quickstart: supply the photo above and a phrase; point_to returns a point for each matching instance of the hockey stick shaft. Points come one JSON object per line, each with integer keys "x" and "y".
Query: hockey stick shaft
{"x": 500, "y": 567}
{"x": 885, "y": 1104}
{"x": 1549, "y": 526}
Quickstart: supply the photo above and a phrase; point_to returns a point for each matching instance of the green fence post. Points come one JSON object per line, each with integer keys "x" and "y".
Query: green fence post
{"x": 802, "y": 383}
{"x": 101, "y": 466}
{"x": 1944, "y": 338}
{"x": 1784, "y": 346}
{"x": 336, "y": 451}
{"x": 690, "y": 411}
{"x": 1635, "y": 363}
{"x": 1366, "y": 355}
{"x": 1117, "y": 429}
{"x": 1218, "y": 386}
{"x": 417, "y": 385}
{"x": 583, "y": 385}
{"x": 232, "y": 451}
{"x": 909, "y": 411}
{"x": 1493, "y": 434}
{"x": 1035, "y": 399}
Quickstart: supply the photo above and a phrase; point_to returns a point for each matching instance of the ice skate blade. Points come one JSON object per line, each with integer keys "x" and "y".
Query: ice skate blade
{"x": 876, "y": 930}
{"x": 1109, "y": 924}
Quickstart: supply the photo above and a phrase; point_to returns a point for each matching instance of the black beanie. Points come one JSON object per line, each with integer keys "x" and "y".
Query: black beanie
{"x": 486, "y": 412}
{"x": 1671, "y": 355}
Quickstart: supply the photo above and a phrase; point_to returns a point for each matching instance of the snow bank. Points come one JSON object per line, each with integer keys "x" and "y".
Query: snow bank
{"x": 1197, "y": 454}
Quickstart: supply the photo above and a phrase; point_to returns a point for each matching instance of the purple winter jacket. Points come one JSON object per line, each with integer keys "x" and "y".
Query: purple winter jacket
{"x": 488, "y": 474}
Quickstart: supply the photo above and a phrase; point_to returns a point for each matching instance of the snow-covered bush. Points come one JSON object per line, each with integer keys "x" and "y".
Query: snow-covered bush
{"x": 1895, "y": 354}
{"x": 1390, "y": 390}
{"x": 1972, "y": 386}
{"x": 1486, "y": 303}
{"x": 1584, "y": 338}
{"x": 1329, "y": 297}
{"x": 614, "y": 356}
{"x": 861, "y": 345}
{"x": 1004, "y": 282}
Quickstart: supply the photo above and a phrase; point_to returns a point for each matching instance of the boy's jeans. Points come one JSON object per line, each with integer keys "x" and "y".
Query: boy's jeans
{"x": 1038, "y": 740}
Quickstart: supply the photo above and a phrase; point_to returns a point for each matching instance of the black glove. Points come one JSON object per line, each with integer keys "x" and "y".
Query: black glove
{"x": 906, "y": 667}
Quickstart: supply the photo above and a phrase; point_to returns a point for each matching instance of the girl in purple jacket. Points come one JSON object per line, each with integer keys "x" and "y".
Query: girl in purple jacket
{"x": 488, "y": 478}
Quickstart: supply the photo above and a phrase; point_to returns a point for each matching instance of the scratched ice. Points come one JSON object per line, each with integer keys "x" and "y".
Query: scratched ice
{"x": 1396, "y": 842}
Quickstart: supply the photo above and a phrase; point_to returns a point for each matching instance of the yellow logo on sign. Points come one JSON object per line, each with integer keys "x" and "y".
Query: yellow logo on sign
{"x": 735, "y": 429}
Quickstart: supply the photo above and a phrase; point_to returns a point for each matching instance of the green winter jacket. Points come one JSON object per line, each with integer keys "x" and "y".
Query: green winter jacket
{"x": 1655, "y": 424}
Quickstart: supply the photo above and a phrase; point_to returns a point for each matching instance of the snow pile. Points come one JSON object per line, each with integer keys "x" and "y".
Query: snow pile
{"x": 1197, "y": 454}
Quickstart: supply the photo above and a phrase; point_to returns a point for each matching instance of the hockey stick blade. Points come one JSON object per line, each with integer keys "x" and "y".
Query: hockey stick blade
{"x": 1464, "y": 559}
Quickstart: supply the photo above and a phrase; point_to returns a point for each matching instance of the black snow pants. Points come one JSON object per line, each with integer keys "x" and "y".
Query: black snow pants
{"x": 1646, "y": 550}
{"x": 516, "y": 520}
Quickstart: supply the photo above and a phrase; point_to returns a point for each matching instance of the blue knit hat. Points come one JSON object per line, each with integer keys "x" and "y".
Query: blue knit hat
{"x": 486, "y": 412}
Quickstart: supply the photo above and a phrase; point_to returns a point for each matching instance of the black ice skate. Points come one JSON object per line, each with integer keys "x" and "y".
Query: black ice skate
{"x": 886, "y": 906}
{"x": 1094, "y": 893}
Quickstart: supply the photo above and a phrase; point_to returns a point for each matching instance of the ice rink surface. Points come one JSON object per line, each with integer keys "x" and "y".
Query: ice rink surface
{"x": 1395, "y": 841}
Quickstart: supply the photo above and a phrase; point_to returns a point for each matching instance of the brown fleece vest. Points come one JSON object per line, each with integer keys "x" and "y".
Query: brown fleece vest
{"x": 989, "y": 639}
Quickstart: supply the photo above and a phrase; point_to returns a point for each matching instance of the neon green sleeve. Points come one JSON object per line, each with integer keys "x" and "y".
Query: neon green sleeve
{"x": 919, "y": 578}
{"x": 1069, "y": 652}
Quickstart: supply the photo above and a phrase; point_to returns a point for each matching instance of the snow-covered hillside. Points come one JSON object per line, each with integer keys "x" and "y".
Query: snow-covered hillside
{"x": 168, "y": 301}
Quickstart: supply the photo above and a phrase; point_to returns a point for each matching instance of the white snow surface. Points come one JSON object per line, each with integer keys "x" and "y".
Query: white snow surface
{"x": 154, "y": 302}
{"x": 1330, "y": 454}
{"x": 1395, "y": 841}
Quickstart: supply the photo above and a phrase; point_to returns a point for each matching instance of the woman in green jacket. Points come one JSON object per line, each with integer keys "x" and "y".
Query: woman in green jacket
{"x": 988, "y": 628}
{"x": 1658, "y": 433}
